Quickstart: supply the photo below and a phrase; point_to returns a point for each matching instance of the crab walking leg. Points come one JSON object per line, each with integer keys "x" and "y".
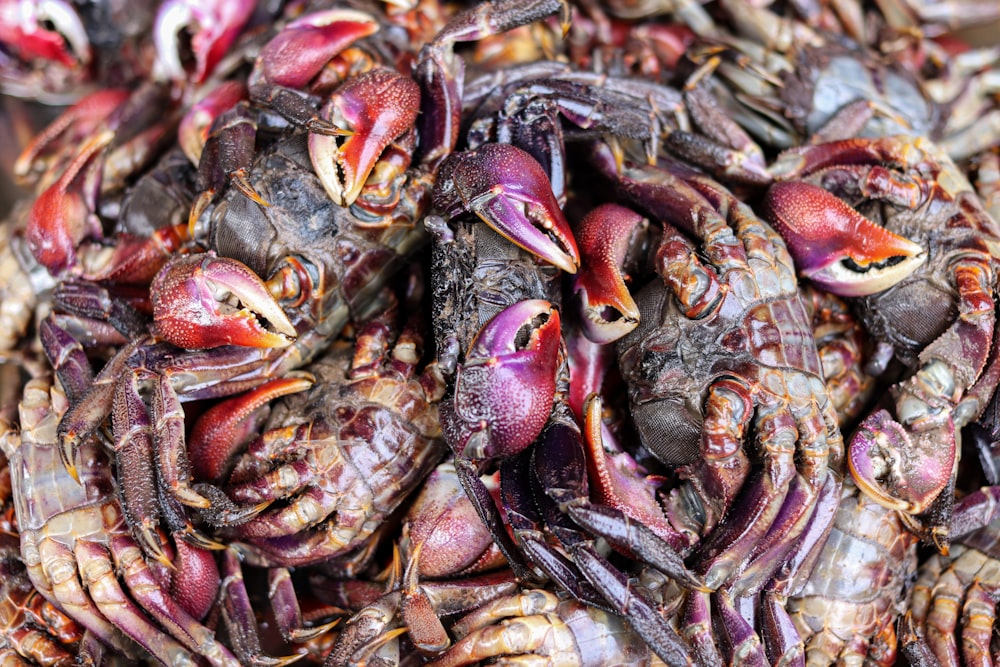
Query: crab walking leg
{"x": 134, "y": 451}
{"x": 942, "y": 619}
{"x": 723, "y": 468}
{"x": 537, "y": 628}
{"x": 696, "y": 628}
{"x": 743, "y": 647}
{"x": 725, "y": 549}
{"x": 805, "y": 513}
{"x": 782, "y": 642}
{"x": 98, "y": 574}
{"x": 65, "y": 589}
{"x": 978, "y": 620}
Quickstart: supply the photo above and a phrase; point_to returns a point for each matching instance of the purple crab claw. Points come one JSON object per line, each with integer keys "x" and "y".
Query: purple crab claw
{"x": 213, "y": 25}
{"x": 44, "y": 30}
{"x": 835, "y": 246}
{"x": 505, "y": 389}
{"x": 510, "y": 192}
{"x": 373, "y": 109}
{"x": 899, "y": 470}
{"x": 205, "y": 301}
{"x": 608, "y": 310}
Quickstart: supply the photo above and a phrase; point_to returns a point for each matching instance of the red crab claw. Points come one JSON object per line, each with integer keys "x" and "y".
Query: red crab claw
{"x": 204, "y": 301}
{"x": 45, "y": 30}
{"x": 298, "y": 53}
{"x": 193, "y": 131}
{"x": 608, "y": 310}
{"x": 62, "y": 216}
{"x": 835, "y": 246}
{"x": 505, "y": 389}
{"x": 899, "y": 470}
{"x": 373, "y": 109}
{"x": 212, "y": 24}
{"x": 510, "y": 192}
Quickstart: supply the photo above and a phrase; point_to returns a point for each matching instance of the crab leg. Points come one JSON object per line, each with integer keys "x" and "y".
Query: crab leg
{"x": 560, "y": 472}
{"x": 98, "y": 575}
{"x": 442, "y": 74}
{"x": 68, "y": 593}
{"x": 167, "y": 611}
{"x": 239, "y": 617}
{"x": 977, "y": 622}
{"x": 134, "y": 450}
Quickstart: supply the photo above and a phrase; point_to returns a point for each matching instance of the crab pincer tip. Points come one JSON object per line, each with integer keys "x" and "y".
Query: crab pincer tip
{"x": 607, "y": 308}
{"x": 67, "y": 452}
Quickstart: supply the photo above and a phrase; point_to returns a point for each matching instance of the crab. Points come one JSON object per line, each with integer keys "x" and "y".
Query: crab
{"x": 322, "y": 272}
{"x": 935, "y": 250}
{"x": 341, "y": 455}
{"x": 787, "y": 77}
{"x": 755, "y": 367}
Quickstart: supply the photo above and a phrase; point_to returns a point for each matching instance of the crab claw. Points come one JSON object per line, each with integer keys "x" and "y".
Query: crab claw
{"x": 298, "y": 53}
{"x": 45, "y": 30}
{"x": 204, "y": 301}
{"x": 608, "y": 310}
{"x": 511, "y": 193}
{"x": 194, "y": 129}
{"x": 505, "y": 389}
{"x": 62, "y": 216}
{"x": 216, "y": 24}
{"x": 835, "y": 246}
{"x": 899, "y": 470}
{"x": 373, "y": 109}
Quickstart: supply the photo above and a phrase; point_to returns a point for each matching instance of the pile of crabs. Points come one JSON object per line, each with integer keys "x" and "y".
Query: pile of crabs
{"x": 529, "y": 331}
